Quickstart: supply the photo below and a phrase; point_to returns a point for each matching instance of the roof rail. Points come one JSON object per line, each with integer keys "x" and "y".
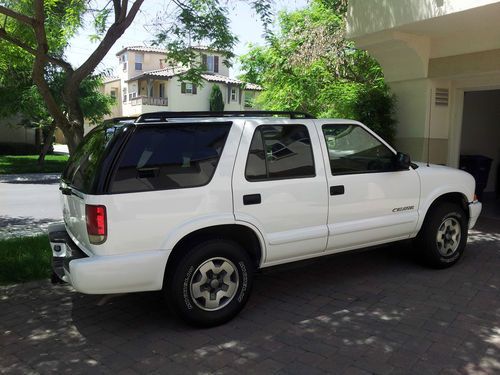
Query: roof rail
{"x": 116, "y": 120}
{"x": 164, "y": 116}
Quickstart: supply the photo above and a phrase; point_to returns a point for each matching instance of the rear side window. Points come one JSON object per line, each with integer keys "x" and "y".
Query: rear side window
{"x": 82, "y": 169}
{"x": 170, "y": 157}
{"x": 280, "y": 152}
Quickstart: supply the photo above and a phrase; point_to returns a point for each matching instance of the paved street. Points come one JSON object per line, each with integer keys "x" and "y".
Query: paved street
{"x": 28, "y": 203}
{"x": 372, "y": 312}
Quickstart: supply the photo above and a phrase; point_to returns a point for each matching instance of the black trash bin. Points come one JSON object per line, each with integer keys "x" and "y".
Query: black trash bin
{"x": 478, "y": 166}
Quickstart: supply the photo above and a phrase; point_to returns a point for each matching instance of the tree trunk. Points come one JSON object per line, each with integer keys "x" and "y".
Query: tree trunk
{"x": 73, "y": 136}
{"x": 47, "y": 142}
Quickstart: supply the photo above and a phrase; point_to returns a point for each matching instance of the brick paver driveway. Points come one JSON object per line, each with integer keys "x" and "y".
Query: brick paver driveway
{"x": 371, "y": 312}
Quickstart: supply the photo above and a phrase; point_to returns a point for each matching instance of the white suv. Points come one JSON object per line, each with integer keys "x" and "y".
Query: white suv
{"x": 194, "y": 203}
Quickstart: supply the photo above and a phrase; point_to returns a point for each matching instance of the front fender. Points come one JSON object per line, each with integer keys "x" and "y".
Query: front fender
{"x": 427, "y": 201}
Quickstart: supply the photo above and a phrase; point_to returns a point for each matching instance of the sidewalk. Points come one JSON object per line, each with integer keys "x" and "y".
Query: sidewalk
{"x": 30, "y": 178}
{"x": 28, "y": 203}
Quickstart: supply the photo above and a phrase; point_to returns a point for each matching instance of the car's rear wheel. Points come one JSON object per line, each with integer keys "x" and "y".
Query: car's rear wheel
{"x": 211, "y": 283}
{"x": 443, "y": 236}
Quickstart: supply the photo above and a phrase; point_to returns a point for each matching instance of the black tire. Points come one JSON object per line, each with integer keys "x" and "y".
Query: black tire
{"x": 441, "y": 253}
{"x": 186, "y": 273}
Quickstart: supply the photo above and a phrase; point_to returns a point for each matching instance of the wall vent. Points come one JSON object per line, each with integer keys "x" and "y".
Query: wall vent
{"x": 442, "y": 97}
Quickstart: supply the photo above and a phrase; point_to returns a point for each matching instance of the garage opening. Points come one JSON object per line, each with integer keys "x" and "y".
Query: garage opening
{"x": 480, "y": 146}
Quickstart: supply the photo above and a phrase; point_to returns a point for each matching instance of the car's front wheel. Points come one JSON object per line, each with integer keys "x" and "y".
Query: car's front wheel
{"x": 443, "y": 236}
{"x": 211, "y": 283}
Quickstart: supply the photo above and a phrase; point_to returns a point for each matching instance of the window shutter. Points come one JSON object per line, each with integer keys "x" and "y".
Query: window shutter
{"x": 183, "y": 87}
{"x": 229, "y": 93}
{"x": 204, "y": 61}
{"x": 216, "y": 64}
{"x": 194, "y": 90}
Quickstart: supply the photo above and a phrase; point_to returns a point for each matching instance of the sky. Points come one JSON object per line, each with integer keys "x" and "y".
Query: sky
{"x": 244, "y": 23}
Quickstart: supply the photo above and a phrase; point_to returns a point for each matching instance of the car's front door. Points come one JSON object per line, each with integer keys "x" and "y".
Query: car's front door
{"x": 369, "y": 201}
{"x": 279, "y": 186}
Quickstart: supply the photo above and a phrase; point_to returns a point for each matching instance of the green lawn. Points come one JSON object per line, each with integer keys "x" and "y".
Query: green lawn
{"x": 13, "y": 164}
{"x": 24, "y": 259}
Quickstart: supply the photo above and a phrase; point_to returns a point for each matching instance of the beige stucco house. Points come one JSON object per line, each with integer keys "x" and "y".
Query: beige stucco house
{"x": 441, "y": 58}
{"x": 147, "y": 82}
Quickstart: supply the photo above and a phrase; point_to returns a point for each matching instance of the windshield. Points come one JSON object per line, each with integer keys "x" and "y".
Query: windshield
{"x": 83, "y": 165}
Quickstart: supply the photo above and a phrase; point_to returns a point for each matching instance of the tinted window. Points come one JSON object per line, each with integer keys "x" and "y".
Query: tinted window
{"x": 280, "y": 152}
{"x": 82, "y": 168}
{"x": 353, "y": 150}
{"x": 170, "y": 157}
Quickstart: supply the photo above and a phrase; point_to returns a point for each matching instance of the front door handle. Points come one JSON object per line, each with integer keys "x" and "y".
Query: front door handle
{"x": 337, "y": 190}
{"x": 251, "y": 199}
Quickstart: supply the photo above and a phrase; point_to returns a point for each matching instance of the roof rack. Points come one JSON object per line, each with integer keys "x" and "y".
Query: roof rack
{"x": 164, "y": 116}
{"x": 117, "y": 120}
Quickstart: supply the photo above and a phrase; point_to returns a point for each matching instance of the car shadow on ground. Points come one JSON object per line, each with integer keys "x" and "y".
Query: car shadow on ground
{"x": 377, "y": 311}
{"x": 20, "y": 226}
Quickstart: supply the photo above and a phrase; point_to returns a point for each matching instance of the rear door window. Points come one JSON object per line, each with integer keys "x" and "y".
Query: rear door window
{"x": 170, "y": 156}
{"x": 280, "y": 152}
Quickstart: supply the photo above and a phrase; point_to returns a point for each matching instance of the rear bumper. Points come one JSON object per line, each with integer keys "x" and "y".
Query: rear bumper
{"x": 474, "y": 211}
{"x": 133, "y": 272}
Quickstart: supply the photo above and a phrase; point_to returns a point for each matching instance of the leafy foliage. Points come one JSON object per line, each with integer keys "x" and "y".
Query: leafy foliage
{"x": 216, "y": 99}
{"x": 38, "y": 31}
{"x": 309, "y": 66}
{"x": 35, "y": 34}
{"x": 202, "y": 22}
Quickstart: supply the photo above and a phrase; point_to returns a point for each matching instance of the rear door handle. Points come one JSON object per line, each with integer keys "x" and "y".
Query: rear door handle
{"x": 337, "y": 190}
{"x": 252, "y": 199}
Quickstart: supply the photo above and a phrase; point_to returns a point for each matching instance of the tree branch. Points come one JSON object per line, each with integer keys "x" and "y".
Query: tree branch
{"x": 115, "y": 31}
{"x": 54, "y": 60}
{"x": 117, "y": 6}
{"x": 17, "y": 16}
{"x": 39, "y": 66}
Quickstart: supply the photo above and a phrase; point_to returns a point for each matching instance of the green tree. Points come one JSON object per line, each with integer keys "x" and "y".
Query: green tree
{"x": 308, "y": 65}
{"x": 41, "y": 29}
{"x": 216, "y": 99}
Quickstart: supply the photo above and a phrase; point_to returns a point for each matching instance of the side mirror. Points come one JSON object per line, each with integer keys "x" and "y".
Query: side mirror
{"x": 402, "y": 161}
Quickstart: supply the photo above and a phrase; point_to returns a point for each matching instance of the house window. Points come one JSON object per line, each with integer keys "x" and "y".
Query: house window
{"x": 112, "y": 93}
{"x": 132, "y": 95}
{"x": 233, "y": 94}
{"x": 162, "y": 90}
{"x": 211, "y": 63}
{"x": 138, "y": 61}
{"x": 123, "y": 61}
{"x": 188, "y": 88}
{"x": 124, "y": 95}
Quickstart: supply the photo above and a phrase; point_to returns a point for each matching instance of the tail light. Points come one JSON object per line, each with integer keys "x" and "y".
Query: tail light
{"x": 97, "y": 227}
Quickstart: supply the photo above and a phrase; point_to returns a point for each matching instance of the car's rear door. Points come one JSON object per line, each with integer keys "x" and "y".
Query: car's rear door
{"x": 279, "y": 186}
{"x": 369, "y": 201}
{"x": 80, "y": 178}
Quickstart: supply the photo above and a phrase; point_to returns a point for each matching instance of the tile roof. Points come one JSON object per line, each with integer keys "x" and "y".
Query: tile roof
{"x": 160, "y": 73}
{"x": 170, "y": 72}
{"x": 253, "y": 86}
{"x": 156, "y": 49}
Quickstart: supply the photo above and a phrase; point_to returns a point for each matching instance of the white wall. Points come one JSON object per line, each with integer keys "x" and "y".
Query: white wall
{"x": 481, "y": 128}
{"x": 200, "y": 101}
{"x": 366, "y": 17}
{"x": 11, "y": 132}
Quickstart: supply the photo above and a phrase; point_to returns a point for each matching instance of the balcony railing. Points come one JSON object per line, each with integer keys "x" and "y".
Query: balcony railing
{"x": 148, "y": 100}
